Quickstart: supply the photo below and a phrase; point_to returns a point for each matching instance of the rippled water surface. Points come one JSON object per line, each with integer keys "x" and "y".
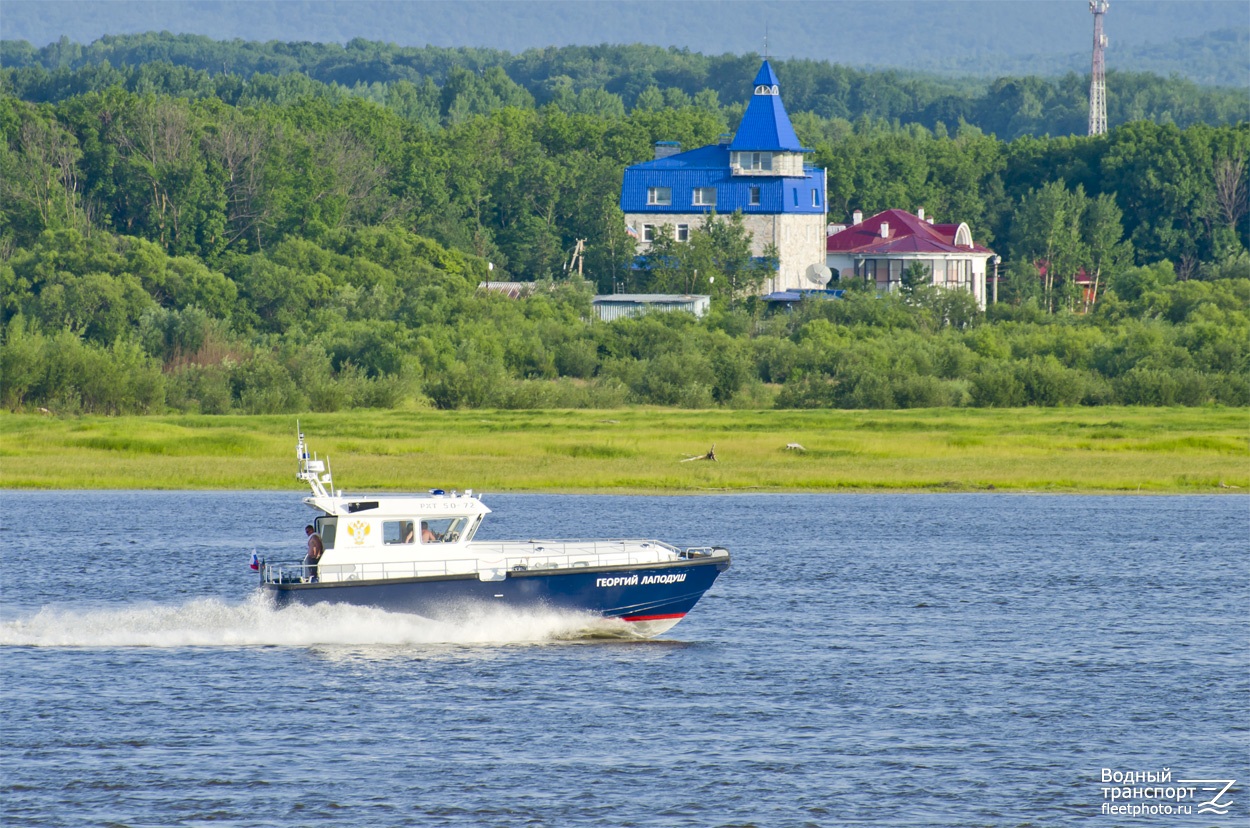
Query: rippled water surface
{"x": 889, "y": 660}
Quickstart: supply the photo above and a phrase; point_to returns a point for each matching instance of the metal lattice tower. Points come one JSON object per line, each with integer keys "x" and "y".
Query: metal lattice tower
{"x": 1098, "y": 74}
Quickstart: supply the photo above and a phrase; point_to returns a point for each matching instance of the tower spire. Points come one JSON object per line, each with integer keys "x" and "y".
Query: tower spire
{"x": 1098, "y": 72}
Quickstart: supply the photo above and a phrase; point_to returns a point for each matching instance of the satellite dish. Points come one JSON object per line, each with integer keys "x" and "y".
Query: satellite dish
{"x": 819, "y": 274}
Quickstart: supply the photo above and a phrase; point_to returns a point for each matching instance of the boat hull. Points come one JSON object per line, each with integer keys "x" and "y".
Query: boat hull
{"x": 651, "y": 597}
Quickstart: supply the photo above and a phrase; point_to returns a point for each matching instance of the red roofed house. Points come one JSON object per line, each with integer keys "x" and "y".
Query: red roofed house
{"x": 880, "y": 248}
{"x": 1087, "y": 284}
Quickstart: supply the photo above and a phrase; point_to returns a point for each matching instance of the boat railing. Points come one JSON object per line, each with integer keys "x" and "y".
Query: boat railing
{"x": 574, "y": 547}
{"x": 491, "y": 561}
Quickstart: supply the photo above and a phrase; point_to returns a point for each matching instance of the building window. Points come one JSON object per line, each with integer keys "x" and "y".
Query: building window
{"x": 894, "y": 279}
{"x": 659, "y": 195}
{"x": 753, "y": 161}
{"x": 795, "y": 192}
{"x": 703, "y": 197}
{"x": 755, "y": 196}
{"x": 648, "y": 232}
{"x": 682, "y": 233}
{"x": 815, "y": 198}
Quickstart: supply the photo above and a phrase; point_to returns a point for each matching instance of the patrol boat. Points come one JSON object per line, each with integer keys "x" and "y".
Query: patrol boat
{"x": 416, "y": 554}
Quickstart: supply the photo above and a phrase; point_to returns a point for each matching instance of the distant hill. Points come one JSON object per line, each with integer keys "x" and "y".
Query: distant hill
{"x": 1206, "y": 42}
{"x": 426, "y": 82}
{"x": 1218, "y": 58}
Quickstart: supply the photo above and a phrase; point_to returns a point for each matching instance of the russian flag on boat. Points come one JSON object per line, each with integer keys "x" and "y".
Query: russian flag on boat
{"x": 255, "y": 564}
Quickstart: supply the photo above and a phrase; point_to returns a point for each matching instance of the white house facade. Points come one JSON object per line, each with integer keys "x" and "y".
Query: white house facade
{"x": 880, "y": 248}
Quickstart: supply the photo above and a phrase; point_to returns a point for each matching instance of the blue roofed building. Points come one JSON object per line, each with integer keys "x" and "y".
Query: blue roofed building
{"x": 759, "y": 172}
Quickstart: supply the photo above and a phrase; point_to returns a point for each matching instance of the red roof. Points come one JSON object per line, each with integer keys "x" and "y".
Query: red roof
{"x": 1081, "y": 277}
{"x": 906, "y": 233}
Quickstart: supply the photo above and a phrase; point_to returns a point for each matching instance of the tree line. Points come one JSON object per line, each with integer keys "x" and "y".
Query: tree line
{"x": 603, "y": 80}
{"x": 171, "y": 238}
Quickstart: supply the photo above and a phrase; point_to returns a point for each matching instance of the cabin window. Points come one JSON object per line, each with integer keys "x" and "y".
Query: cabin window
{"x": 398, "y": 531}
{"x": 442, "y": 530}
{"x": 325, "y": 528}
{"x": 704, "y": 197}
{"x": 659, "y": 195}
{"x": 755, "y": 196}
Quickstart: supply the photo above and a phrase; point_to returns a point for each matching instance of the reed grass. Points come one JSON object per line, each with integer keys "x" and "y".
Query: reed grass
{"x": 1163, "y": 450}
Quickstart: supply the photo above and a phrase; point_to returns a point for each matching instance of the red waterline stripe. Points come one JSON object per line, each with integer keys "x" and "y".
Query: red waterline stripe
{"x": 653, "y": 617}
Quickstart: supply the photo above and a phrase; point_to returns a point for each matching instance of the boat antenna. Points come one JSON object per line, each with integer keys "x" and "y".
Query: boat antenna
{"x": 311, "y": 469}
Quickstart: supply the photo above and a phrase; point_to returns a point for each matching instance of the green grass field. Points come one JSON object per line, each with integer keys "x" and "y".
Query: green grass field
{"x": 1178, "y": 450}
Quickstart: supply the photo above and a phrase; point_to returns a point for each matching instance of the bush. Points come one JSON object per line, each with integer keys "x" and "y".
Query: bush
{"x": 1151, "y": 386}
{"x": 263, "y": 386}
{"x": 69, "y": 375}
{"x": 997, "y": 386}
{"x": 682, "y": 380}
{"x": 870, "y": 391}
{"x": 577, "y": 358}
{"x": 808, "y": 390}
{"x": 1231, "y": 389}
{"x": 921, "y": 391}
{"x": 21, "y": 363}
{"x": 730, "y": 368}
{"x": 475, "y": 384}
{"x": 200, "y": 389}
{"x": 775, "y": 359}
{"x": 1048, "y": 383}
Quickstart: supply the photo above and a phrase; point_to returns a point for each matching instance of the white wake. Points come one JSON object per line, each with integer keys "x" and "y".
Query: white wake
{"x": 210, "y": 622}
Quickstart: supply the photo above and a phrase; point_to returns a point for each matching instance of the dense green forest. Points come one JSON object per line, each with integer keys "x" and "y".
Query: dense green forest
{"x": 217, "y": 241}
{"x": 599, "y": 80}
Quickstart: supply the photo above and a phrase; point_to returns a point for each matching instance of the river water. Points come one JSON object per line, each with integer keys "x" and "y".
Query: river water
{"x": 903, "y": 660}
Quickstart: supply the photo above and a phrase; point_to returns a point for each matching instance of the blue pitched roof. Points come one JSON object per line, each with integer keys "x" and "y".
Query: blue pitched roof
{"x": 711, "y": 157}
{"x": 709, "y": 167}
{"x": 766, "y": 75}
{"x": 766, "y": 126}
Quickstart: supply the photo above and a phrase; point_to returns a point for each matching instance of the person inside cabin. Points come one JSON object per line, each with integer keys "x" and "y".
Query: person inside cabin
{"x": 408, "y": 533}
{"x": 427, "y": 534}
{"x": 315, "y": 550}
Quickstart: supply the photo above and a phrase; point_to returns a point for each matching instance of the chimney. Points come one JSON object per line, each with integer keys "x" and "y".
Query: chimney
{"x": 930, "y": 219}
{"x": 885, "y": 229}
{"x": 663, "y": 149}
{"x": 920, "y": 214}
{"x": 857, "y": 217}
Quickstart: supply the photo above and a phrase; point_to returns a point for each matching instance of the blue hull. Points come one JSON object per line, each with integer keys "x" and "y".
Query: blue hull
{"x": 651, "y": 593}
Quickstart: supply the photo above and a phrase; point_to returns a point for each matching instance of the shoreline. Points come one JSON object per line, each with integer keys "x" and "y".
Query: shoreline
{"x": 648, "y": 451}
{"x": 1227, "y": 491}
